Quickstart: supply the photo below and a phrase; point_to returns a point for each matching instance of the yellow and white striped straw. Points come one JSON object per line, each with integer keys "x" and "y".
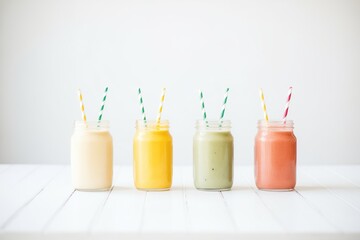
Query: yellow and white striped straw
{"x": 263, "y": 105}
{"x": 82, "y": 108}
{"x": 158, "y": 119}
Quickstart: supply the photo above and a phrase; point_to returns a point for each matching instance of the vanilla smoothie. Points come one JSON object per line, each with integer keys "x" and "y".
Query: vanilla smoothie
{"x": 213, "y": 154}
{"x": 275, "y": 156}
{"x": 91, "y": 156}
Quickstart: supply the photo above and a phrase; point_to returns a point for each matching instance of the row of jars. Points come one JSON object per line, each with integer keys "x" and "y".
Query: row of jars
{"x": 213, "y": 156}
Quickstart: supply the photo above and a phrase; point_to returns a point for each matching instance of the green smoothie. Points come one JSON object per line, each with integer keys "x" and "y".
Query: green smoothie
{"x": 213, "y": 156}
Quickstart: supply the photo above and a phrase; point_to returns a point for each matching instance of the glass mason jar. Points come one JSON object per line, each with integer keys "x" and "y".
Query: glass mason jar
{"x": 213, "y": 155}
{"x": 91, "y": 156}
{"x": 153, "y": 156}
{"x": 275, "y": 156}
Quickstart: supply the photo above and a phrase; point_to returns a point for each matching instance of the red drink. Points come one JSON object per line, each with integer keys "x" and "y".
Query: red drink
{"x": 275, "y": 156}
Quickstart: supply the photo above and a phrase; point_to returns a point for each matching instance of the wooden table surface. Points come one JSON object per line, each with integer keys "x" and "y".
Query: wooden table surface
{"x": 38, "y": 202}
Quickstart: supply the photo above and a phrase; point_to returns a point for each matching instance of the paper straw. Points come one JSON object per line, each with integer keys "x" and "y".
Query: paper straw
{"x": 203, "y": 111}
{"x": 263, "y": 105}
{"x": 287, "y": 105}
{"x": 82, "y": 108}
{"x": 103, "y": 104}
{"x": 143, "y": 116}
{"x": 158, "y": 119}
{"x": 223, "y": 107}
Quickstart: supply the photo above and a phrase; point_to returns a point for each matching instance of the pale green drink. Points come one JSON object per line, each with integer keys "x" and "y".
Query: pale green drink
{"x": 213, "y": 156}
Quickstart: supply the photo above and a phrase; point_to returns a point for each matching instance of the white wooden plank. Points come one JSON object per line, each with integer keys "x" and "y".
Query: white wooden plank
{"x": 78, "y": 212}
{"x": 350, "y": 172}
{"x": 207, "y": 211}
{"x": 290, "y": 209}
{"x": 320, "y": 196}
{"x": 13, "y": 175}
{"x": 123, "y": 210}
{"x": 165, "y": 211}
{"x": 21, "y": 194}
{"x": 249, "y": 212}
{"x": 4, "y": 167}
{"x": 338, "y": 185}
{"x": 339, "y": 213}
{"x": 35, "y": 216}
{"x": 178, "y": 236}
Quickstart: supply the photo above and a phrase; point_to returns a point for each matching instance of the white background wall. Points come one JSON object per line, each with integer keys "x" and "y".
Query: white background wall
{"x": 48, "y": 49}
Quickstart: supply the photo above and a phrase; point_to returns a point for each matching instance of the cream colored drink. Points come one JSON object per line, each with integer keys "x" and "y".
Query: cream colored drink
{"x": 91, "y": 156}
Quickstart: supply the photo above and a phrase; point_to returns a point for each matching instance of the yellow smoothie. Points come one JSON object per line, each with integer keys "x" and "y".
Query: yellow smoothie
{"x": 152, "y": 156}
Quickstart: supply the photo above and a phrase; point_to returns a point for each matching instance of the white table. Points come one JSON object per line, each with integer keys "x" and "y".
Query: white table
{"x": 38, "y": 202}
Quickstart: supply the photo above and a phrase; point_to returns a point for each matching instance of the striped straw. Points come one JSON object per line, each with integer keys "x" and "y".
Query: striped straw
{"x": 82, "y": 108}
{"x": 223, "y": 107}
{"x": 203, "y": 111}
{"x": 103, "y": 104}
{"x": 142, "y": 106}
{"x": 263, "y": 105}
{"x": 161, "y": 106}
{"x": 287, "y": 105}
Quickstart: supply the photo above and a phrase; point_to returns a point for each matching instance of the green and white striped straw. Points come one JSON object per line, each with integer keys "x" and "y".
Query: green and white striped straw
{"x": 158, "y": 119}
{"x": 143, "y": 116}
{"x": 223, "y": 107}
{"x": 103, "y": 104}
{"x": 203, "y": 111}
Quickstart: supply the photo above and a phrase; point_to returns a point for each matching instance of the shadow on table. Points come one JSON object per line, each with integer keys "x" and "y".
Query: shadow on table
{"x": 300, "y": 188}
{"x": 122, "y": 188}
{"x": 241, "y": 188}
{"x": 128, "y": 188}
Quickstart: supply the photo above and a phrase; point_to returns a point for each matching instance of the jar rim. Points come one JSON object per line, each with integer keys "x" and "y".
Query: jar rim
{"x": 97, "y": 125}
{"x": 276, "y": 124}
{"x": 152, "y": 124}
{"x": 213, "y": 125}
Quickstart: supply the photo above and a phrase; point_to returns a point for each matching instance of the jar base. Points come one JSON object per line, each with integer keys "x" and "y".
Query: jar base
{"x": 213, "y": 189}
{"x": 277, "y": 189}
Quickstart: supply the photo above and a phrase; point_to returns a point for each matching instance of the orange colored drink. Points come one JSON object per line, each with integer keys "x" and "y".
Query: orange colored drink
{"x": 275, "y": 156}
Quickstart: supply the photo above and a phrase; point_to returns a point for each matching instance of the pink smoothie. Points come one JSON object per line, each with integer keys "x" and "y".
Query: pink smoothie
{"x": 275, "y": 159}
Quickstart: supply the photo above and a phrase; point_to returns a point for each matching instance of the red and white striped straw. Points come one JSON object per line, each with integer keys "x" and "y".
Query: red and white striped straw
{"x": 287, "y": 105}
